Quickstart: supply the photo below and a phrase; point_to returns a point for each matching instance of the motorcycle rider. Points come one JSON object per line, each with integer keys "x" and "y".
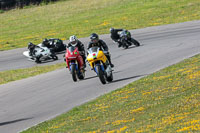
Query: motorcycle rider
{"x": 46, "y": 43}
{"x": 115, "y": 36}
{"x": 31, "y": 48}
{"x": 95, "y": 41}
{"x": 73, "y": 41}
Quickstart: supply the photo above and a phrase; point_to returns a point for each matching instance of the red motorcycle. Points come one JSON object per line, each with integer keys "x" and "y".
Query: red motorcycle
{"x": 75, "y": 63}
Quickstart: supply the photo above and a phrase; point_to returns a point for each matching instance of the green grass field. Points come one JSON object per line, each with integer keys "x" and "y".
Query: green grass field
{"x": 166, "y": 101}
{"x": 82, "y": 17}
{"x": 13, "y": 75}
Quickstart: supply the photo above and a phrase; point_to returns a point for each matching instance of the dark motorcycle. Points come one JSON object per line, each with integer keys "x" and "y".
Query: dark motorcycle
{"x": 57, "y": 44}
{"x": 126, "y": 40}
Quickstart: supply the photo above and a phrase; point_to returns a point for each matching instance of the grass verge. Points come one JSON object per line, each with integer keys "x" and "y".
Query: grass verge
{"x": 64, "y": 18}
{"x": 166, "y": 101}
{"x": 12, "y": 75}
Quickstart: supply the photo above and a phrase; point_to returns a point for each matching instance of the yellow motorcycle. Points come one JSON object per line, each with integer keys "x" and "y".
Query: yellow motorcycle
{"x": 100, "y": 64}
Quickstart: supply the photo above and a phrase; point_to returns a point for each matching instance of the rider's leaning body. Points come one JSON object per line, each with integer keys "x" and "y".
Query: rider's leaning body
{"x": 73, "y": 41}
{"x": 95, "y": 41}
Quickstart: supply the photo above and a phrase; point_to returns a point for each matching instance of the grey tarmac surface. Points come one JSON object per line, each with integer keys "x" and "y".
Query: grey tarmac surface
{"x": 30, "y": 101}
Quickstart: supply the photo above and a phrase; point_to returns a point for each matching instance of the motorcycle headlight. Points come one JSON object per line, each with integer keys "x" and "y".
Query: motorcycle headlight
{"x": 94, "y": 55}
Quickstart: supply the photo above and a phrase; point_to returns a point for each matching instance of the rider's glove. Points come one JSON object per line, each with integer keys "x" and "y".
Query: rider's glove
{"x": 105, "y": 52}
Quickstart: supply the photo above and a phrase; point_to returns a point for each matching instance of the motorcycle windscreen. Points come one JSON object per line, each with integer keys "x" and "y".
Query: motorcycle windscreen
{"x": 71, "y": 48}
{"x": 123, "y": 33}
{"x": 93, "y": 50}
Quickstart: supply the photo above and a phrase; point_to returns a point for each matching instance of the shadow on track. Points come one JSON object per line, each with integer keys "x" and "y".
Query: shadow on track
{"x": 43, "y": 61}
{"x": 14, "y": 121}
{"x": 133, "y": 46}
{"x": 132, "y": 77}
{"x": 47, "y": 61}
{"x": 61, "y": 52}
{"x": 97, "y": 76}
{"x": 90, "y": 77}
{"x": 117, "y": 72}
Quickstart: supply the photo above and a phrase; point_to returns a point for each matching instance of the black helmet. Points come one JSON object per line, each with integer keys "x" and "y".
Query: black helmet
{"x": 45, "y": 40}
{"x": 30, "y": 44}
{"x": 111, "y": 30}
{"x": 94, "y": 37}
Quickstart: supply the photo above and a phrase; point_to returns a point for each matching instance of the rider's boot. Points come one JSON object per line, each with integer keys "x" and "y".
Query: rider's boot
{"x": 112, "y": 65}
{"x": 119, "y": 44}
{"x": 84, "y": 58}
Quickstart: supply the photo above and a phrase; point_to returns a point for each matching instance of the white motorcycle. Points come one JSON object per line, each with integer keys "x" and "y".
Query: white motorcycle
{"x": 40, "y": 54}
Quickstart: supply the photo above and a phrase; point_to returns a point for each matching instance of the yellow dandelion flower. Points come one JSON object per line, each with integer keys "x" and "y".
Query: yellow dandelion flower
{"x": 194, "y": 15}
{"x": 104, "y": 23}
{"x": 137, "y": 110}
{"x": 124, "y": 18}
{"x": 194, "y": 75}
{"x": 112, "y": 131}
{"x": 123, "y": 128}
{"x": 118, "y": 122}
{"x": 156, "y": 23}
{"x": 175, "y": 88}
{"x": 147, "y": 93}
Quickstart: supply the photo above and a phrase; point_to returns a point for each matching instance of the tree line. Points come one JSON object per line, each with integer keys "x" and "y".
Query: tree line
{"x": 8, "y": 4}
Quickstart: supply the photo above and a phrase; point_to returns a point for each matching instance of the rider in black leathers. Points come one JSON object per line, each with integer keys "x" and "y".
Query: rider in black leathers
{"x": 73, "y": 41}
{"x": 115, "y": 37}
{"x": 95, "y": 41}
{"x": 31, "y": 48}
{"x": 46, "y": 43}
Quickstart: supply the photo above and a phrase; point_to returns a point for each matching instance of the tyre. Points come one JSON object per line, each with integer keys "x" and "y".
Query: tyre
{"x": 73, "y": 71}
{"x": 101, "y": 75}
{"x": 110, "y": 78}
{"x": 135, "y": 42}
{"x": 55, "y": 57}
{"x": 37, "y": 60}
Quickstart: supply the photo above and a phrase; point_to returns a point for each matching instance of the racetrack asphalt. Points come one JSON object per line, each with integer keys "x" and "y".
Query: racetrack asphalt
{"x": 30, "y": 101}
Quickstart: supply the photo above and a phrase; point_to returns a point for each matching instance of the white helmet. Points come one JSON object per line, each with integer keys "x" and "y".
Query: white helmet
{"x": 73, "y": 40}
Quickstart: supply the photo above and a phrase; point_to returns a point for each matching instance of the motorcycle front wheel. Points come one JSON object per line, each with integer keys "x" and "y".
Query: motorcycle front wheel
{"x": 135, "y": 42}
{"x": 37, "y": 60}
{"x": 101, "y": 75}
{"x": 73, "y": 71}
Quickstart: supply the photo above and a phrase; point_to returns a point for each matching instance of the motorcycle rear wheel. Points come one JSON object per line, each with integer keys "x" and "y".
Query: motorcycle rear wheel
{"x": 55, "y": 57}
